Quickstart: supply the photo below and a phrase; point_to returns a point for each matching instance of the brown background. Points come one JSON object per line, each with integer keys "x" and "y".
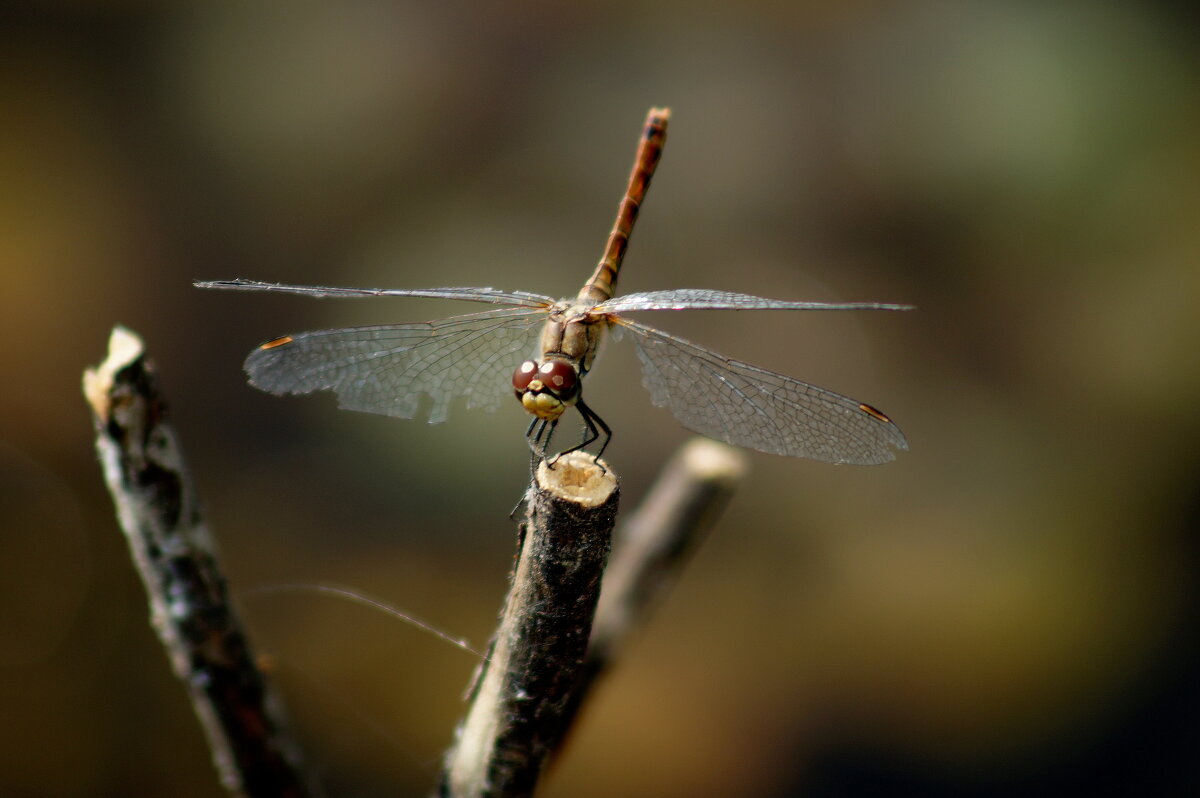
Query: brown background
{"x": 1009, "y": 608}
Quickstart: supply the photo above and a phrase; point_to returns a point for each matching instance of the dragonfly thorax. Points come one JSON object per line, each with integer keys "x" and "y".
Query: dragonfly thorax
{"x": 548, "y": 388}
{"x": 573, "y": 332}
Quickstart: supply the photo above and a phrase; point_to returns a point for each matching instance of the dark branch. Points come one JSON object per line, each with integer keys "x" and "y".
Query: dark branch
{"x": 516, "y": 714}
{"x": 174, "y": 553}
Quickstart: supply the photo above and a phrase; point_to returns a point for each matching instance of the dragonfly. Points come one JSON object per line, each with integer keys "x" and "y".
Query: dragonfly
{"x": 417, "y": 370}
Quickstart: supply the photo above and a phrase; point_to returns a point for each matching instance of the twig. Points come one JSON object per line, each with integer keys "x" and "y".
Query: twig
{"x": 174, "y": 553}
{"x": 652, "y": 547}
{"x": 515, "y": 718}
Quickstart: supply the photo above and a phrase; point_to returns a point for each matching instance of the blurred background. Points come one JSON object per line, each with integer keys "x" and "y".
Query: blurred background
{"x": 1011, "y": 607}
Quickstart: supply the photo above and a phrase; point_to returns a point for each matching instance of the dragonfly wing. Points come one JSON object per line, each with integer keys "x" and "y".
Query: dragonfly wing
{"x": 389, "y": 369}
{"x": 748, "y": 406}
{"x": 492, "y": 295}
{"x": 704, "y": 299}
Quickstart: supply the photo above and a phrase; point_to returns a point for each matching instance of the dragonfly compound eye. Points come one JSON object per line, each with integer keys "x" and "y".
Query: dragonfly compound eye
{"x": 560, "y": 378}
{"x": 523, "y": 375}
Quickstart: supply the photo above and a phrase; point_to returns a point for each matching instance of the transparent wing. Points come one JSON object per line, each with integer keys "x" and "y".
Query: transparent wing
{"x": 492, "y": 295}
{"x": 704, "y": 299}
{"x": 748, "y": 406}
{"x": 388, "y": 369}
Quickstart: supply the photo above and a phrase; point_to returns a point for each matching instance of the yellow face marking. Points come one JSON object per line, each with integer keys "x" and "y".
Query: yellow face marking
{"x": 542, "y": 405}
{"x": 287, "y": 339}
{"x": 870, "y": 411}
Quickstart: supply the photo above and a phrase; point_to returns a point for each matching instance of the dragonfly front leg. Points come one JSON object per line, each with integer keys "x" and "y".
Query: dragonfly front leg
{"x": 538, "y": 434}
{"x": 595, "y": 428}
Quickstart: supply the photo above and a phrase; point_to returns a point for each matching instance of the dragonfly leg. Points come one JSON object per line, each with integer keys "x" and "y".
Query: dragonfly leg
{"x": 541, "y": 431}
{"x": 539, "y": 434}
{"x": 521, "y": 504}
{"x": 595, "y": 428}
{"x": 537, "y": 437}
{"x": 604, "y": 427}
{"x": 533, "y": 453}
{"x": 529, "y": 437}
{"x": 548, "y": 427}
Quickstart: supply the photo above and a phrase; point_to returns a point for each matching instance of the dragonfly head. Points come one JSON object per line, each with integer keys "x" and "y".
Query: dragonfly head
{"x": 546, "y": 389}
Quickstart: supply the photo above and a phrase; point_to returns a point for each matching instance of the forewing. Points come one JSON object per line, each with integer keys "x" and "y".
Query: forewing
{"x": 388, "y": 369}
{"x": 490, "y": 295}
{"x": 705, "y": 299}
{"x": 748, "y": 406}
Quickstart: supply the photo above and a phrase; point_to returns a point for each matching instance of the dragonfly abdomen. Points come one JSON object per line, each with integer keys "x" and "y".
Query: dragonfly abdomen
{"x": 603, "y": 282}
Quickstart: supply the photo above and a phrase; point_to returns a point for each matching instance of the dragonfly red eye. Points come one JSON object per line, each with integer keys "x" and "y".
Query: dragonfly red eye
{"x": 523, "y": 375}
{"x": 560, "y": 378}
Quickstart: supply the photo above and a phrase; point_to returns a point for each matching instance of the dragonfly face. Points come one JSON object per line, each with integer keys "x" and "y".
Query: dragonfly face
{"x": 548, "y": 388}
